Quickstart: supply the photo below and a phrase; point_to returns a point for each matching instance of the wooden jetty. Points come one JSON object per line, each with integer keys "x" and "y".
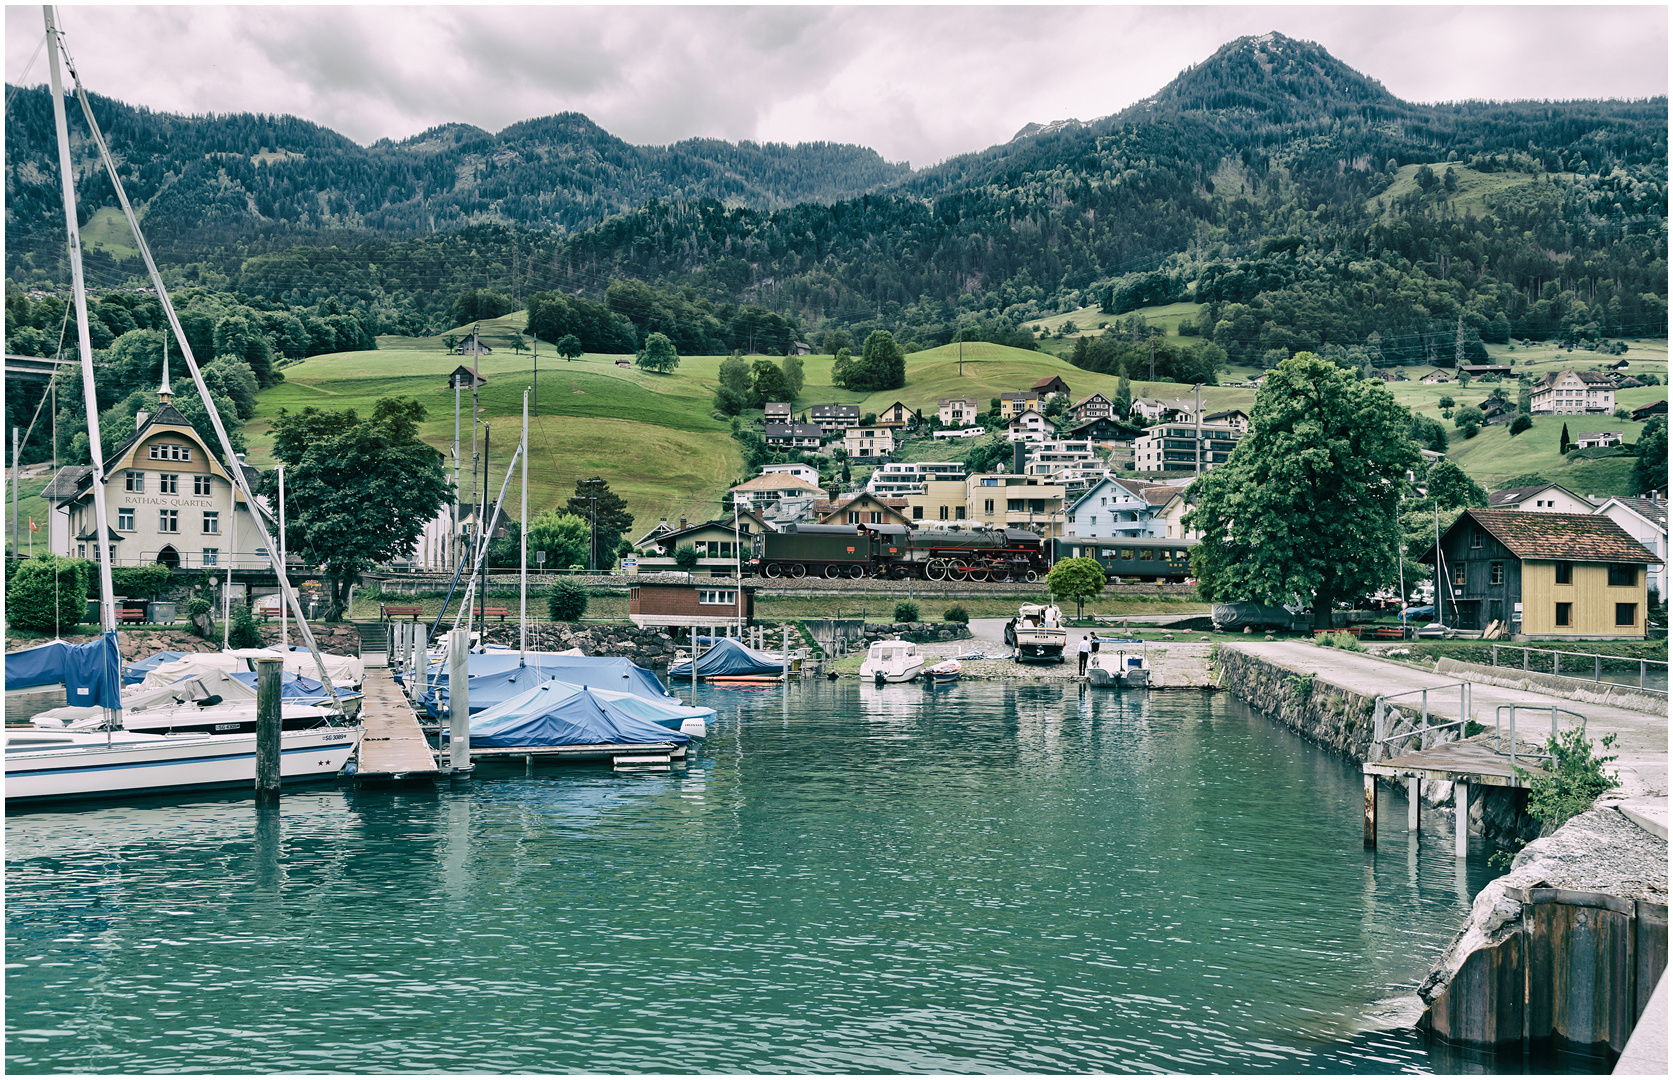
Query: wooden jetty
{"x": 394, "y": 747}
{"x": 1466, "y": 762}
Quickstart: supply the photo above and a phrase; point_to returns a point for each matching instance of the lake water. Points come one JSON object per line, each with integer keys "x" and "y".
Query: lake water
{"x": 993, "y": 877}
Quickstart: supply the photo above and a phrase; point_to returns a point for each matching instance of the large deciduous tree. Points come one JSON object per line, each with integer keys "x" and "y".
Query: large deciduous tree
{"x": 1307, "y": 506}
{"x": 1649, "y": 472}
{"x": 658, "y": 354}
{"x": 606, "y": 513}
{"x": 358, "y": 491}
{"x": 563, "y": 536}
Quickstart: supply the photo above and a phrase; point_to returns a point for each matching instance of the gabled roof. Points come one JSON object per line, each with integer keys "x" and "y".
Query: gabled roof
{"x": 1047, "y": 382}
{"x": 1566, "y": 537}
{"x": 65, "y": 482}
{"x": 1089, "y": 397}
{"x": 1226, "y": 414}
{"x": 1653, "y": 511}
{"x": 792, "y": 431}
{"x": 957, "y": 401}
{"x": 1499, "y": 500}
{"x": 777, "y": 482}
{"x": 1112, "y": 482}
{"x": 1590, "y": 378}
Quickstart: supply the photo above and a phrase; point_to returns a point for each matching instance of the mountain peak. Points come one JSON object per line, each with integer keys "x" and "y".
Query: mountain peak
{"x": 1278, "y": 76}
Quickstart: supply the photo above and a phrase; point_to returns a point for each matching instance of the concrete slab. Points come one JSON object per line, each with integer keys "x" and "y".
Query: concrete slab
{"x": 1646, "y": 1050}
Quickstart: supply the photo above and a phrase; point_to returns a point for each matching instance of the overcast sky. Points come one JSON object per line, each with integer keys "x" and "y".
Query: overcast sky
{"x": 915, "y": 83}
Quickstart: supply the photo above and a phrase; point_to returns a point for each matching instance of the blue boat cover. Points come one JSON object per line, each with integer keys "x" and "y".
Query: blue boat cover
{"x": 139, "y": 669}
{"x": 730, "y": 657}
{"x": 91, "y": 673}
{"x": 557, "y": 713}
{"x": 292, "y": 685}
{"x": 497, "y": 677}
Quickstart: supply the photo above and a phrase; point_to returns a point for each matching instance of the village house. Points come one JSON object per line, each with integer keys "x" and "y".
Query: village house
{"x": 1572, "y": 391}
{"x": 769, "y": 488}
{"x": 1476, "y": 371}
{"x": 1654, "y": 408}
{"x": 958, "y": 411}
{"x": 1564, "y": 576}
{"x": 863, "y": 508}
{"x": 672, "y": 603}
{"x": 1071, "y": 462}
{"x": 897, "y": 415}
{"x": 778, "y": 412}
{"x": 472, "y": 346}
{"x": 461, "y": 379}
{"x": 1645, "y": 520}
{"x": 793, "y": 436}
{"x": 1013, "y": 405}
{"x": 1028, "y": 426}
{"x": 869, "y": 444}
{"x": 897, "y": 478}
{"x": 1102, "y": 428}
{"x": 1548, "y": 498}
{"x": 1236, "y": 419}
{"x": 834, "y": 417}
{"x": 1091, "y": 407}
{"x": 168, "y": 499}
{"x": 718, "y": 546}
{"x": 937, "y": 500}
{"x": 1112, "y": 509}
{"x": 1590, "y": 440}
{"x": 1050, "y": 387}
{"x": 1012, "y": 500}
{"x": 1158, "y": 410}
{"x": 802, "y": 472}
{"x": 1435, "y": 378}
{"x": 1184, "y": 447}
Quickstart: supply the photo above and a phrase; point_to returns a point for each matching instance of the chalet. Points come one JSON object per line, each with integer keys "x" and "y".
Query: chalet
{"x": 1574, "y": 391}
{"x": 770, "y": 488}
{"x": 1102, "y": 428}
{"x": 793, "y": 436}
{"x": 799, "y": 348}
{"x": 1110, "y": 508}
{"x": 716, "y": 543}
{"x": 958, "y": 411}
{"x": 1566, "y": 576}
{"x": 897, "y": 415}
{"x": 686, "y": 603}
{"x": 1654, "y": 408}
{"x": 1028, "y": 426}
{"x": 169, "y": 499}
{"x": 1590, "y": 440}
{"x": 1435, "y": 378}
{"x": 1091, "y": 407}
{"x": 1619, "y": 365}
{"x": 1049, "y": 387}
{"x": 471, "y": 346}
{"x": 778, "y": 412}
{"x": 869, "y": 444}
{"x": 1547, "y": 498}
{"x": 1236, "y": 419}
{"x": 834, "y": 417}
{"x": 1645, "y": 520}
{"x": 1155, "y": 410}
{"x": 864, "y": 508}
{"x": 1012, "y": 405}
{"x": 1380, "y": 374}
{"x": 1497, "y": 411}
{"x": 1627, "y": 382}
{"x": 461, "y": 379}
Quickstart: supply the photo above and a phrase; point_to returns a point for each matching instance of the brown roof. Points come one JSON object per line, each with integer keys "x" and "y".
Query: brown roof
{"x": 1576, "y": 537}
{"x": 775, "y": 482}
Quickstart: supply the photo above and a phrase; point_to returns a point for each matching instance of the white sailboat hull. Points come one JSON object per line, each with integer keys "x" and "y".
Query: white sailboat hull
{"x": 47, "y": 766}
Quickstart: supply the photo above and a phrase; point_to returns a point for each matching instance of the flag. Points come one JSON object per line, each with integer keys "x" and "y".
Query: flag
{"x": 33, "y": 527}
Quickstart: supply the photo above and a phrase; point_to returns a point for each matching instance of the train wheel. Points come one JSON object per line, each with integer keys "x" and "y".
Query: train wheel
{"x": 773, "y": 570}
{"x": 832, "y": 570}
{"x": 936, "y": 570}
{"x": 1032, "y": 575}
{"x": 856, "y": 571}
{"x": 900, "y": 572}
{"x": 797, "y": 570}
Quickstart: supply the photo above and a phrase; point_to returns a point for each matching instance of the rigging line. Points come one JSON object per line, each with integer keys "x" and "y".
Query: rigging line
{"x": 18, "y": 85}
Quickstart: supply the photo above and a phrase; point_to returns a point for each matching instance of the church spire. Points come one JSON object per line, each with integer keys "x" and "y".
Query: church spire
{"x": 164, "y": 394}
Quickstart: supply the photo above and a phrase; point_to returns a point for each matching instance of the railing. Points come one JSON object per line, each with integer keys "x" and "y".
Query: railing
{"x": 1499, "y": 726}
{"x": 1380, "y": 715}
{"x": 1598, "y": 662}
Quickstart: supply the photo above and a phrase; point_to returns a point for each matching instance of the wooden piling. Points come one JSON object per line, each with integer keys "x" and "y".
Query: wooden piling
{"x": 1461, "y": 828}
{"x": 458, "y": 701}
{"x": 1370, "y": 811}
{"x": 268, "y": 727}
{"x": 1414, "y": 803}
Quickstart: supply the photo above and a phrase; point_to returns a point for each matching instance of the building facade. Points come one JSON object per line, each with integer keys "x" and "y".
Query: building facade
{"x": 957, "y": 412}
{"x": 1183, "y": 448}
{"x": 1108, "y": 510}
{"x": 1571, "y": 391}
{"x": 1015, "y": 501}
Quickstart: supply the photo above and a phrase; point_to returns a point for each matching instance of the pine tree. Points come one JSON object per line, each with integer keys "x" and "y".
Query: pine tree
{"x": 1562, "y": 446}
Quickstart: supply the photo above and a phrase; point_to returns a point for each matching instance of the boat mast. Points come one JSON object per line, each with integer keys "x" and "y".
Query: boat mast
{"x": 235, "y": 469}
{"x": 523, "y": 548}
{"x": 107, "y": 591}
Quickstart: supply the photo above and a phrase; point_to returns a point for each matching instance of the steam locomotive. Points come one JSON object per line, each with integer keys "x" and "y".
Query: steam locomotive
{"x": 977, "y": 553}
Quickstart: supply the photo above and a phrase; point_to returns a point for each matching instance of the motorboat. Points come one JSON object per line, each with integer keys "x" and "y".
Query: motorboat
{"x": 1119, "y": 662}
{"x": 44, "y": 764}
{"x": 945, "y": 672}
{"x": 1033, "y": 639}
{"x": 892, "y": 661}
{"x": 215, "y": 703}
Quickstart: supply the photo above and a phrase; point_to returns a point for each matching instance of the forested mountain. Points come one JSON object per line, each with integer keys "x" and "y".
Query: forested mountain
{"x": 1300, "y": 201}
{"x": 247, "y": 182}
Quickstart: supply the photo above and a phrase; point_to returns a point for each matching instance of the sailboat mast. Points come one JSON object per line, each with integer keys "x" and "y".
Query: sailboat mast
{"x": 523, "y": 547}
{"x": 66, "y": 173}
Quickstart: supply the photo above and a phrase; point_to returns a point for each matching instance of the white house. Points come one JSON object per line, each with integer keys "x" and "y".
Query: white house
{"x": 961, "y": 433}
{"x": 1646, "y": 521}
{"x": 1156, "y": 409}
{"x": 1183, "y": 447}
{"x": 1541, "y": 498}
{"x": 1029, "y": 426}
{"x": 769, "y": 488}
{"x": 1598, "y": 439}
{"x": 1573, "y": 392}
{"x": 898, "y": 478}
{"x": 958, "y": 411}
{"x": 1110, "y": 509}
{"x": 1066, "y": 461}
{"x": 168, "y": 500}
{"x": 869, "y": 444}
{"x": 806, "y": 473}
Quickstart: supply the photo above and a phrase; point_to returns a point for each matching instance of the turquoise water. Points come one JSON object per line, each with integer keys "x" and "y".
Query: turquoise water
{"x": 985, "y": 878}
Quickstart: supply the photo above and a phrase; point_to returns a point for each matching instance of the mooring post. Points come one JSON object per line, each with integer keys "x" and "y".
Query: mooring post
{"x": 458, "y": 700}
{"x": 1461, "y": 828}
{"x": 1414, "y": 803}
{"x": 268, "y": 725}
{"x": 784, "y": 656}
{"x": 1370, "y": 811}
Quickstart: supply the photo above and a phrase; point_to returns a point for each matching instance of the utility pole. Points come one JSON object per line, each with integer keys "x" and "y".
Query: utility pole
{"x": 454, "y": 525}
{"x": 534, "y": 349}
{"x": 476, "y": 380}
{"x": 17, "y": 473}
{"x": 1152, "y": 355}
{"x": 482, "y": 532}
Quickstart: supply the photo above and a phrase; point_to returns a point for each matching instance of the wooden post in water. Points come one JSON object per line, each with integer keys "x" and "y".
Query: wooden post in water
{"x": 1370, "y": 811}
{"x": 784, "y": 656}
{"x": 458, "y": 700}
{"x": 1414, "y": 802}
{"x": 1461, "y": 828}
{"x": 268, "y": 673}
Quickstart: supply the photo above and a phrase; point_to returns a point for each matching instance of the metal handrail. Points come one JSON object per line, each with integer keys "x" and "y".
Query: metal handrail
{"x": 1597, "y": 666}
{"x": 1380, "y": 714}
{"x": 1498, "y": 726}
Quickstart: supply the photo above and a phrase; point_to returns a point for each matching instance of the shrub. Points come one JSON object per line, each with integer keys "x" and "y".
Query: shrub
{"x": 1342, "y": 640}
{"x": 1573, "y": 780}
{"x": 243, "y": 634}
{"x": 567, "y": 601}
{"x": 48, "y": 594}
{"x": 956, "y": 613}
{"x": 685, "y": 557}
{"x": 199, "y": 605}
{"x": 906, "y": 611}
{"x": 139, "y": 581}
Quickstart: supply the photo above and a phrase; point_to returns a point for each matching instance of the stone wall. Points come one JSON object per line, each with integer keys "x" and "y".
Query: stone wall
{"x": 645, "y": 646}
{"x": 1343, "y": 720}
{"x": 911, "y": 631}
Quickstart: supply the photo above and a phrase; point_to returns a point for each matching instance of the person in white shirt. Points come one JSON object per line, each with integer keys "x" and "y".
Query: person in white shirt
{"x": 1085, "y": 653}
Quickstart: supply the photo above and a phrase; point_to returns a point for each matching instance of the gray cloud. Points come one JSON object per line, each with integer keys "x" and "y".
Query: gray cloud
{"x": 917, "y": 83}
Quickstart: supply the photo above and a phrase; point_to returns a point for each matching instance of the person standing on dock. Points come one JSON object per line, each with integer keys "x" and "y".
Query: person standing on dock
{"x": 1085, "y": 653}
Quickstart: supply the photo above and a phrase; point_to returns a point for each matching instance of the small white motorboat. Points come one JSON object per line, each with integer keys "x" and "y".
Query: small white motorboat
{"x": 945, "y": 672}
{"x": 1032, "y": 637}
{"x": 1121, "y": 662}
{"x": 892, "y": 661}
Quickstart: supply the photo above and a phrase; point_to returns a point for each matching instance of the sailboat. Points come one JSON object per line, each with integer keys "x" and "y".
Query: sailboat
{"x": 45, "y": 764}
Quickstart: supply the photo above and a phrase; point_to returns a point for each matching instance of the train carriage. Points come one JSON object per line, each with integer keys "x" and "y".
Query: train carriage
{"x": 1146, "y": 559}
{"x": 799, "y": 551}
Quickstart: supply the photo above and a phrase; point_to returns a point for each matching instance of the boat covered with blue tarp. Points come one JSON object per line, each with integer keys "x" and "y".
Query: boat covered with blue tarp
{"x": 498, "y": 676}
{"x": 139, "y": 669}
{"x": 729, "y": 657}
{"x": 91, "y": 673}
{"x": 557, "y": 713}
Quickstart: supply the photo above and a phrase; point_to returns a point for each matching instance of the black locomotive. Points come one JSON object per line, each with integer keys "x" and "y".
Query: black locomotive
{"x": 977, "y": 553}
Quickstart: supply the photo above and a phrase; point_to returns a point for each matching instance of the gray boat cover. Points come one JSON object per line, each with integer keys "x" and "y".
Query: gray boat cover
{"x": 557, "y": 713}
{"x": 497, "y": 676}
{"x": 730, "y": 657}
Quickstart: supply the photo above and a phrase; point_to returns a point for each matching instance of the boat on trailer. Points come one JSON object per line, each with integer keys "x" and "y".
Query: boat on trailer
{"x": 1033, "y": 639}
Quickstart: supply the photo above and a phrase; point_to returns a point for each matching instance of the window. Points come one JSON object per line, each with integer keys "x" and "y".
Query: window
{"x": 1626, "y": 614}
{"x": 1564, "y": 615}
{"x": 1623, "y": 574}
{"x": 958, "y": 512}
{"x": 125, "y": 519}
{"x": 717, "y": 596}
{"x": 133, "y": 481}
{"x": 1126, "y": 554}
{"x": 200, "y": 485}
{"x": 169, "y": 452}
{"x": 81, "y": 551}
{"x": 1496, "y": 573}
{"x": 211, "y": 521}
{"x": 987, "y": 506}
{"x": 1013, "y": 506}
{"x": 1565, "y": 573}
{"x": 168, "y": 483}
{"x": 877, "y": 517}
{"x": 210, "y": 555}
{"x": 1477, "y": 538}
{"x": 917, "y": 513}
{"x": 943, "y": 513}
{"x": 168, "y": 521}
{"x": 853, "y": 517}
{"x": 1146, "y": 554}
{"x": 1458, "y": 577}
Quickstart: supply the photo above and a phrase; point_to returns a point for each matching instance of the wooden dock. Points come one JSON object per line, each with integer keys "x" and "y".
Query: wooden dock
{"x": 394, "y": 747}
{"x": 1464, "y": 763}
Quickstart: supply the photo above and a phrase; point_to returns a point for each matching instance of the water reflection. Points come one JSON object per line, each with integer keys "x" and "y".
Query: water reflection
{"x": 984, "y": 877}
